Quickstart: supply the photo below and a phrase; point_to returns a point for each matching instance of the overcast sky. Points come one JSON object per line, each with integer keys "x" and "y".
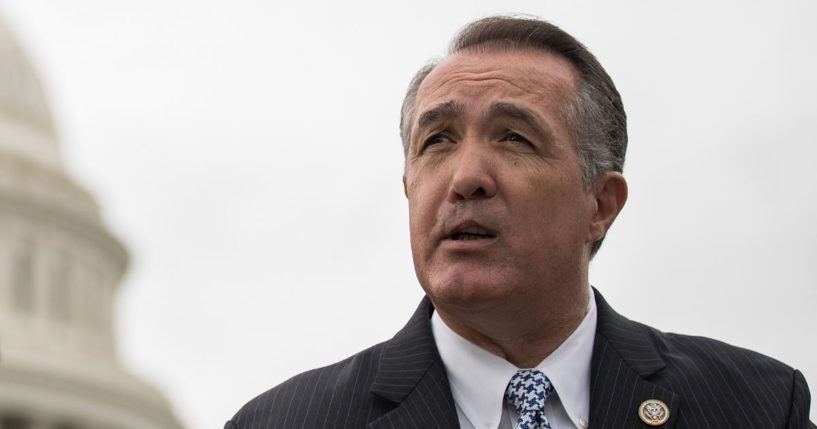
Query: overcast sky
{"x": 247, "y": 153}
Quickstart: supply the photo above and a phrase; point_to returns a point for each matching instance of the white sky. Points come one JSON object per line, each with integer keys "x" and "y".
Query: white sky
{"x": 247, "y": 152}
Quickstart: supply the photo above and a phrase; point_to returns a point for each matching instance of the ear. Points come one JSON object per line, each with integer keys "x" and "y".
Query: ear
{"x": 610, "y": 192}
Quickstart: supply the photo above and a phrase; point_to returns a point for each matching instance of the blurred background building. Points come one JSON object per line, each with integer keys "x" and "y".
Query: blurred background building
{"x": 59, "y": 272}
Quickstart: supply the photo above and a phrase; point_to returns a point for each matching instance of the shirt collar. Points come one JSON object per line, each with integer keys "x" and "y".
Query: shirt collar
{"x": 478, "y": 378}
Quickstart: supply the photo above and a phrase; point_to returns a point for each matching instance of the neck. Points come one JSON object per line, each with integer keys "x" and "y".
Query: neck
{"x": 523, "y": 333}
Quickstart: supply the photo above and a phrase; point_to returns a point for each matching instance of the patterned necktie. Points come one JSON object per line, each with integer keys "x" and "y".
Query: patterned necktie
{"x": 527, "y": 392}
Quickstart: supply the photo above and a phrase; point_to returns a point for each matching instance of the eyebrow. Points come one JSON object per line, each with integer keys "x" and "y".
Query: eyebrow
{"x": 451, "y": 108}
{"x": 519, "y": 113}
{"x": 438, "y": 113}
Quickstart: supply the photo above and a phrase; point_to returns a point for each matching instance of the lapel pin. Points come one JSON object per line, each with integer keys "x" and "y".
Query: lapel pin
{"x": 653, "y": 412}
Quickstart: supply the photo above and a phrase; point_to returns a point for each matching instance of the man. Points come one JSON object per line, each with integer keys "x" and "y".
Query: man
{"x": 514, "y": 147}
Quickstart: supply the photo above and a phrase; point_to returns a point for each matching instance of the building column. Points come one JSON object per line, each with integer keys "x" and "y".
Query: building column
{"x": 5, "y": 279}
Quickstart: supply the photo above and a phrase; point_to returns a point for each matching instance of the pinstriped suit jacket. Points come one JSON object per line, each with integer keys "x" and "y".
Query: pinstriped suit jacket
{"x": 402, "y": 383}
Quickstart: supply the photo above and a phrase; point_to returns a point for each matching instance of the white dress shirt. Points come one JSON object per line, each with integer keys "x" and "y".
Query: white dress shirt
{"x": 478, "y": 378}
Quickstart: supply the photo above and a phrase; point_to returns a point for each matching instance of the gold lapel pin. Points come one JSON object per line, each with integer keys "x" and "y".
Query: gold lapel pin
{"x": 653, "y": 412}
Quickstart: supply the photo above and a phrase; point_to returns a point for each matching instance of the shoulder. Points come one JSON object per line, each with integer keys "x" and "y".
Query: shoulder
{"x": 337, "y": 395}
{"x": 719, "y": 384}
{"x": 352, "y": 392}
{"x": 689, "y": 360}
{"x": 717, "y": 360}
{"x": 712, "y": 373}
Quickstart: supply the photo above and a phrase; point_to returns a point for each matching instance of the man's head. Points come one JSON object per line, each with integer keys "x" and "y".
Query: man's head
{"x": 514, "y": 144}
{"x": 595, "y": 113}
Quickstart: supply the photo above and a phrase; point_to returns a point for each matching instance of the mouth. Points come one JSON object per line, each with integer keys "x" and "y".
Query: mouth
{"x": 470, "y": 231}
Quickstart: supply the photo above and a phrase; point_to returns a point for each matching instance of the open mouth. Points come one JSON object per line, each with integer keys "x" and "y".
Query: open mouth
{"x": 472, "y": 233}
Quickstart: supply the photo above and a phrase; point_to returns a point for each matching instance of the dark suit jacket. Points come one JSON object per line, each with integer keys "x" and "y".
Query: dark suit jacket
{"x": 402, "y": 383}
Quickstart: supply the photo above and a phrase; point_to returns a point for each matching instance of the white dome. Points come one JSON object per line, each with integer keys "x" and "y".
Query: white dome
{"x": 26, "y": 125}
{"x": 61, "y": 269}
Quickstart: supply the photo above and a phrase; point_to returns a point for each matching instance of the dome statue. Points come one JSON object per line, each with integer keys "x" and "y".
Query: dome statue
{"x": 60, "y": 269}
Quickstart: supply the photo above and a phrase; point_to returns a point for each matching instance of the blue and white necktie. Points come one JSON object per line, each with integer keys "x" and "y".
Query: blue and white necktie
{"x": 527, "y": 392}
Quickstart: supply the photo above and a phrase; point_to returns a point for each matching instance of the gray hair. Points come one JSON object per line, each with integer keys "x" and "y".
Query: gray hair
{"x": 595, "y": 115}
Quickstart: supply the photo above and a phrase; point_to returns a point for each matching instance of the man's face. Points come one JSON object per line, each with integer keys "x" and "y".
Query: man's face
{"x": 497, "y": 205}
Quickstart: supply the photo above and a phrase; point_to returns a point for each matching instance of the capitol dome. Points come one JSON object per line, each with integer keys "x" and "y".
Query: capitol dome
{"x": 26, "y": 125}
{"x": 60, "y": 270}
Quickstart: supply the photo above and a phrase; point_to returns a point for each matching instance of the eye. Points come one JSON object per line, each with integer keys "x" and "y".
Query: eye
{"x": 516, "y": 138}
{"x": 436, "y": 139}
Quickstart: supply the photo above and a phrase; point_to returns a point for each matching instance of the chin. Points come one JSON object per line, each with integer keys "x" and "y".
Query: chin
{"x": 471, "y": 290}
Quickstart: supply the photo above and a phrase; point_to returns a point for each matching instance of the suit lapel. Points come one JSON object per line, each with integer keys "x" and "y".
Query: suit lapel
{"x": 412, "y": 377}
{"x": 624, "y": 358}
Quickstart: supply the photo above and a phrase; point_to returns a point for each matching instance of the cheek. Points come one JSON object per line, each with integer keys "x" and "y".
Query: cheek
{"x": 558, "y": 206}
{"x": 415, "y": 221}
{"x": 421, "y": 216}
{"x": 425, "y": 194}
{"x": 421, "y": 226}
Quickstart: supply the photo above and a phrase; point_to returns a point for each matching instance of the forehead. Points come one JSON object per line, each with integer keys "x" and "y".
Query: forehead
{"x": 543, "y": 78}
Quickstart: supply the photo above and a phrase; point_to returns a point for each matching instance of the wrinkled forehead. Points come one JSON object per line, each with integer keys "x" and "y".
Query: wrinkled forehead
{"x": 492, "y": 73}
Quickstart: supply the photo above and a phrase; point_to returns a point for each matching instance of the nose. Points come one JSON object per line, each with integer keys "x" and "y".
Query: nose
{"x": 473, "y": 176}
